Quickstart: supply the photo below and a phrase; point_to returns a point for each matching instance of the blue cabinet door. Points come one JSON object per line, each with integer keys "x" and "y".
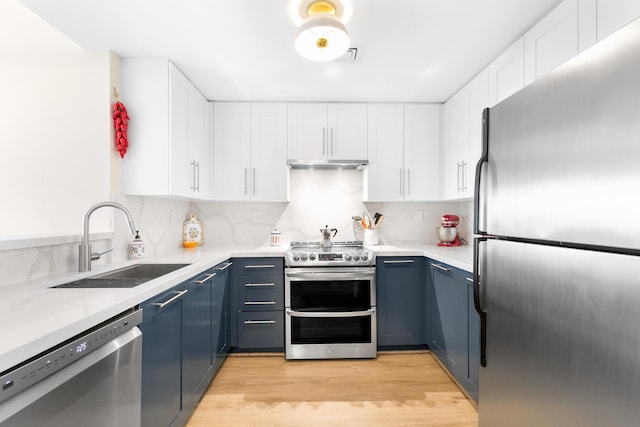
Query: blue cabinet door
{"x": 398, "y": 292}
{"x": 196, "y": 339}
{"x": 161, "y": 358}
{"x": 472, "y": 384}
{"x": 449, "y": 319}
{"x": 221, "y": 312}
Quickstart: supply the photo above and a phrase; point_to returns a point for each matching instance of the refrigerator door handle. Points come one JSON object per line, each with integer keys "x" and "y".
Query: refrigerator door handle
{"x": 476, "y": 299}
{"x": 484, "y": 158}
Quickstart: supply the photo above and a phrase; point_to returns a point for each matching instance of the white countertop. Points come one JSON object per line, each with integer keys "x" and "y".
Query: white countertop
{"x": 35, "y": 317}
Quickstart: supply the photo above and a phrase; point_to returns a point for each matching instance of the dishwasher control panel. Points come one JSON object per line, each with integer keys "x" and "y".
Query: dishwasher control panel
{"x": 51, "y": 361}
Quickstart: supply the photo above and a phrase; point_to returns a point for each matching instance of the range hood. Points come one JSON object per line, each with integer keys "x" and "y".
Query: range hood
{"x": 327, "y": 164}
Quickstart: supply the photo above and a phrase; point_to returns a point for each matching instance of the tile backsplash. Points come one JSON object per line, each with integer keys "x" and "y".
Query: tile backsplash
{"x": 317, "y": 198}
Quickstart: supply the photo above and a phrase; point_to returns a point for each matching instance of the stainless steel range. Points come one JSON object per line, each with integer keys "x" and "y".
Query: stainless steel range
{"x": 330, "y": 301}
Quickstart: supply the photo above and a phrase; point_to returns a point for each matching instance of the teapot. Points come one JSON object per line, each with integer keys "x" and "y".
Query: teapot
{"x": 327, "y": 235}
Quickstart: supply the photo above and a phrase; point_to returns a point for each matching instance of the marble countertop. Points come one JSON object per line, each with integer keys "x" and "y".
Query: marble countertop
{"x": 35, "y": 317}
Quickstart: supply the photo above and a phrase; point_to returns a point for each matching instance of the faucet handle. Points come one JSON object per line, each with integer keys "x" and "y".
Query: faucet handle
{"x": 96, "y": 256}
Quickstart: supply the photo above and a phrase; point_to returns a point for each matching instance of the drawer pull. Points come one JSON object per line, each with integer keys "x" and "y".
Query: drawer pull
{"x": 259, "y": 303}
{"x": 225, "y": 266}
{"x": 259, "y": 266}
{"x": 259, "y": 322}
{"x": 404, "y": 261}
{"x": 177, "y": 295}
{"x": 469, "y": 279}
{"x": 207, "y": 277}
{"x": 439, "y": 267}
{"x": 258, "y": 285}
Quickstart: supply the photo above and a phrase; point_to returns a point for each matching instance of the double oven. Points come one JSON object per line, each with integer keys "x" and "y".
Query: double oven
{"x": 330, "y": 301}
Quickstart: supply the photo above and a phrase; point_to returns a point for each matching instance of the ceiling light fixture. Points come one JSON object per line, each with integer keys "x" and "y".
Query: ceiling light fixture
{"x": 322, "y": 36}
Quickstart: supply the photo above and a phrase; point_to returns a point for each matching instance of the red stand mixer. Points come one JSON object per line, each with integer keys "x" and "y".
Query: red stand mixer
{"x": 448, "y": 232}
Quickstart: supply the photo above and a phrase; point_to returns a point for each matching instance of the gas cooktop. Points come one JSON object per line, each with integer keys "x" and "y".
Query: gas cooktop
{"x": 311, "y": 254}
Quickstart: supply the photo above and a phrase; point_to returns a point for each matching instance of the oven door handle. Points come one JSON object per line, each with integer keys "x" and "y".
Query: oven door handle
{"x": 294, "y": 313}
{"x": 333, "y": 275}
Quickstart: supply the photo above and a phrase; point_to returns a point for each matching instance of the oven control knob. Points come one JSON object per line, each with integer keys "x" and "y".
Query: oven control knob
{"x": 364, "y": 256}
{"x": 312, "y": 256}
{"x": 303, "y": 257}
{"x": 347, "y": 257}
{"x": 356, "y": 257}
{"x": 296, "y": 257}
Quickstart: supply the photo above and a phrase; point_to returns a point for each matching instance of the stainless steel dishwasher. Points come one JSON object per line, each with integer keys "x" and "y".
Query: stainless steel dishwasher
{"x": 92, "y": 379}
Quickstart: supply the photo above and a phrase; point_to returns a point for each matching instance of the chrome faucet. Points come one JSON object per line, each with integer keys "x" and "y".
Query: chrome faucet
{"x": 85, "y": 248}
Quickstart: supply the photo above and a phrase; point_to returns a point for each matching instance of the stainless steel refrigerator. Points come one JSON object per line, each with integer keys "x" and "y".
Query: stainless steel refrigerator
{"x": 557, "y": 259}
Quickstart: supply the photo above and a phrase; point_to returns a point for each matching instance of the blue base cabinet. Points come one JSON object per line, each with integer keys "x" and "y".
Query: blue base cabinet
{"x": 455, "y": 325}
{"x": 185, "y": 338}
{"x": 398, "y": 301}
{"x": 259, "y": 303}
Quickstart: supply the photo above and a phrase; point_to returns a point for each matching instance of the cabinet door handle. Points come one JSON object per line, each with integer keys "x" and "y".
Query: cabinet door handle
{"x": 193, "y": 175}
{"x": 259, "y": 303}
{"x": 400, "y": 174}
{"x": 259, "y": 322}
{"x": 400, "y": 261}
{"x": 207, "y": 277}
{"x": 253, "y": 184}
{"x": 245, "y": 180}
{"x": 469, "y": 279}
{"x": 332, "y": 141}
{"x": 323, "y": 139}
{"x": 408, "y": 181}
{"x": 260, "y": 266}
{"x": 198, "y": 175}
{"x": 258, "y": 285}
{"x": 439, "y": 267}
{"x": 177, "y": 295}
{"x": 464, "y": 176}
{"x": 225, "y": 266}
{"x": 458, "y": 176}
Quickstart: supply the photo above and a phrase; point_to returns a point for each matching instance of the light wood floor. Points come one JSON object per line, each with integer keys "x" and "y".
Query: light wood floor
{"x": 392, "y": 390}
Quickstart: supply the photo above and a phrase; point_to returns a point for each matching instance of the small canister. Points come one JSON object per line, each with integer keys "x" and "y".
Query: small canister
{"x": 276, "y": 237}
{"x": 192, "y": 232}
{"x": 136, "y": 247}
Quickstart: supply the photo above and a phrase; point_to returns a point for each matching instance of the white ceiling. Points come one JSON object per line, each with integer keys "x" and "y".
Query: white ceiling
{"x": 409, "y": 50}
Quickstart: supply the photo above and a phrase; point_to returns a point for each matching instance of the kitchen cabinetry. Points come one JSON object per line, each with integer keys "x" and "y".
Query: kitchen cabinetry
{"x": 327, "y": 131}
{"x": 161, "y": 357}
{"x": 260, "y": 303}
{"x": 455, "y": 325}
{"x": 506, "y": 73}
{"x": 463, "y": 136}
{"x": 552, "y": 41}
{"x": 220, "y": 315}
{"x": 615, "y": 14}
{"x": 250, "y": 151}
{"x": 398, "y": 296}
{"x": 170, "y": 132}
{"x": 404, "y": 152}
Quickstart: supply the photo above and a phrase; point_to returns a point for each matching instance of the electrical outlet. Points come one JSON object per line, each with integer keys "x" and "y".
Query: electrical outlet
{"x": 257, "y": 217}
{"x": 419, "y": 217}
{"x": 172, "y": 216}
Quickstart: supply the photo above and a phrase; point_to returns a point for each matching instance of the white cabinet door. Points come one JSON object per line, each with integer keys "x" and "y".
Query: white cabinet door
{"x": 200, "y": 139}
{"x": 231, "y": 151}
{"x": 478, "y": 93}
{"x": 506, "y": 73}
{"x": 384, "y": 175}
{"x": 552, "y": 41}
{"x": 181, "y": 176}
{"x": 422, "y": 151}
{"x": 456, "y": 118}
{"x": 615, "y": 14}
{"x": 269, "y": 171}
{"x": 347, "y": 127}
{"x": 307, "y": 131}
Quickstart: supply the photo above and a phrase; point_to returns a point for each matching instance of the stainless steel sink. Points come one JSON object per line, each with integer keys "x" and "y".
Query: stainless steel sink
{"x": 127, "y": 277}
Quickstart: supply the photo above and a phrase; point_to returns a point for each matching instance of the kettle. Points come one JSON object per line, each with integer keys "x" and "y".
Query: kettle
{"x": 326, "y": 235}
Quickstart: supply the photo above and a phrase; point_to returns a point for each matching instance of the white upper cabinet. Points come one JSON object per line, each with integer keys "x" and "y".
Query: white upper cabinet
{"x": 422, "y": 160}
{"x": 552, "y": 41}
{"x": 506, "y": 73}
{"x": 169, "y": 132}
{"x": 249, "y": 151}
{"x": 404, "y": 152}
{"x": 615, "y": 14}
{"x": 463, "y": 136}
{"x": 327, "y": 131}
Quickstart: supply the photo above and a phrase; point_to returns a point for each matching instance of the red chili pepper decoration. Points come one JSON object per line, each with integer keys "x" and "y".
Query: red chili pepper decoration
{"x": 120, "y": 118}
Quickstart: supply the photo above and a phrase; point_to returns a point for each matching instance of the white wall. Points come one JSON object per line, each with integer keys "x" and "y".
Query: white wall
{"x": 55, "y": 121}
